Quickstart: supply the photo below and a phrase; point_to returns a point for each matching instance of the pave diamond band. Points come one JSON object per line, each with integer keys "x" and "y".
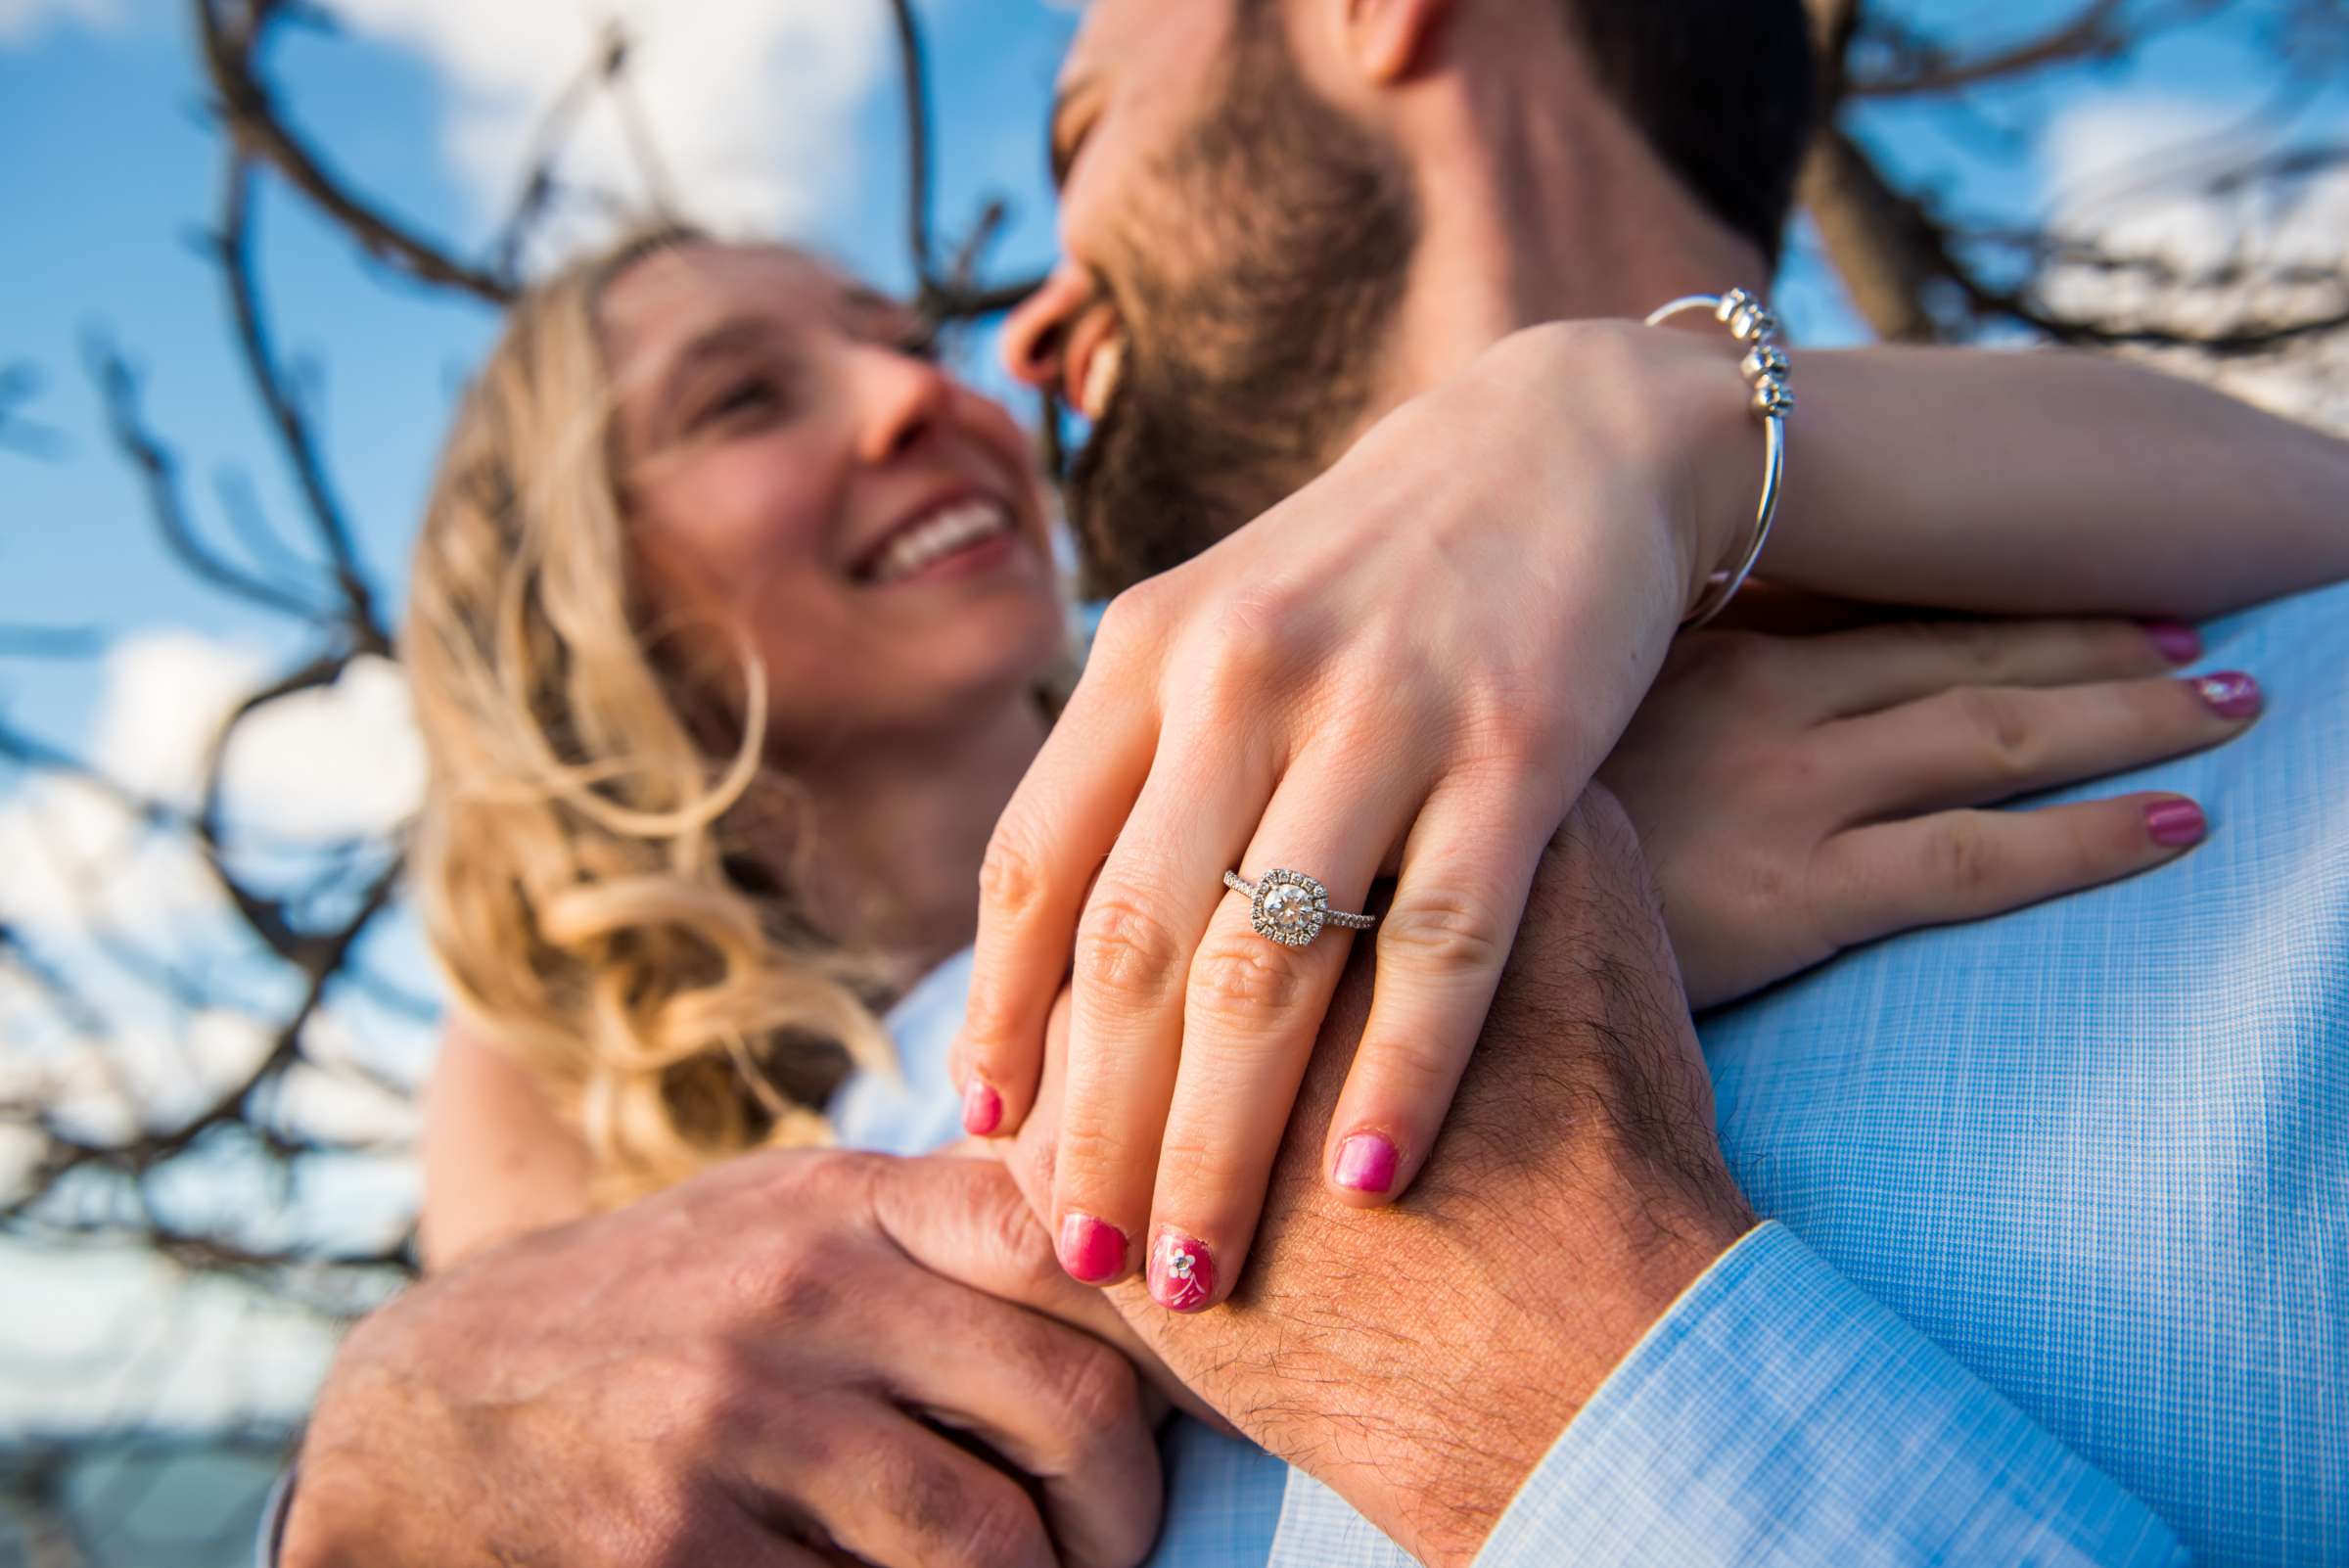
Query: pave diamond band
{"x": 1291, "y": 909}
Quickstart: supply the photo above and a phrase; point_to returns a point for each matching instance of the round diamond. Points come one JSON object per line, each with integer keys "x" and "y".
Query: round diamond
{"x": 1289, "y": 907}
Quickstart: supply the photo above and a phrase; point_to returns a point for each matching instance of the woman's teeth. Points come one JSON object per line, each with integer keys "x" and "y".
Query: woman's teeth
{"x": 955, "y": 528}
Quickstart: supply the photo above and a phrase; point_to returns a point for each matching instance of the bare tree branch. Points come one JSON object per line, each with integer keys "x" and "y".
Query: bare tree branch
{"x": 230, "y": 36}
{"x": 118, "y": 386}
{"x": 359, "y": 620}
{"x": 1915, "y": 65}
{"x": 1890, "y": 255}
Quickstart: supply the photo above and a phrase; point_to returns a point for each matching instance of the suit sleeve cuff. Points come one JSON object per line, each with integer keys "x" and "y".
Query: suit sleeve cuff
{"x": 1778, "y": 1416}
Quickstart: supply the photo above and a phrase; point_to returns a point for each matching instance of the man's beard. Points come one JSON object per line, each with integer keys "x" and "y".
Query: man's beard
{"x": 1238, "y": 383}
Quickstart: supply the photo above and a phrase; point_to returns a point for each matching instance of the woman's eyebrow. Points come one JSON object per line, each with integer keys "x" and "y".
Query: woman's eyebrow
{"x": 730, "y": 336}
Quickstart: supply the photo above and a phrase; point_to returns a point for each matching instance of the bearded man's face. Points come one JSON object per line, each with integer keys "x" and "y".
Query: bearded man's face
{"x": 1247, "y": 245}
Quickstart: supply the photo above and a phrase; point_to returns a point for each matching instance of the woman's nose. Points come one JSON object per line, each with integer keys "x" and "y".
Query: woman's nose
{"x": 905, "y": 397}
{"x": 1036, "y": 332}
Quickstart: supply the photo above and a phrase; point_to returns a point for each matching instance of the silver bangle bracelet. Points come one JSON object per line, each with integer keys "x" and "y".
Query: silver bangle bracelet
{"x": 1767, "y": 371}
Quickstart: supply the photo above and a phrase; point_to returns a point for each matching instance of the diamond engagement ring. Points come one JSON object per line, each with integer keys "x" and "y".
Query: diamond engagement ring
{"x": 1291, "y": 909}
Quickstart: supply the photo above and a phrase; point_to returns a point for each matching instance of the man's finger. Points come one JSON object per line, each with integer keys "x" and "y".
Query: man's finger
{"x": 1060, "y": 1405}
{"x": 968, "y": 1220}
{"x": 887, "y": 1491}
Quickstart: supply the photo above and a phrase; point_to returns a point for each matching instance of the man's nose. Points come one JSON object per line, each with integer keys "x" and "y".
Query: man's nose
{"x": 1037, "y": 333}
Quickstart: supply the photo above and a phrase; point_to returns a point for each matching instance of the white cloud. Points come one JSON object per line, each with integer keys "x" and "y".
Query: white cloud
{"x": 2135, "y": 174}
{"x": 342, "y": 760}
{"x": 21, "y": 21}
{"x": 318, "y": 765}
{"x": 746, "y": 100}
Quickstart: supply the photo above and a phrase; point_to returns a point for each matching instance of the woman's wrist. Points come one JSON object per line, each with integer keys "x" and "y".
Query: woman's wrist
{"x": 1714, "y": 442}
{"x": 1679, "y": 406}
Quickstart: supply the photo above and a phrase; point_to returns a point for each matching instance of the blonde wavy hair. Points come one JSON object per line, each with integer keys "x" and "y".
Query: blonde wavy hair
{"x": 597, "y": 860}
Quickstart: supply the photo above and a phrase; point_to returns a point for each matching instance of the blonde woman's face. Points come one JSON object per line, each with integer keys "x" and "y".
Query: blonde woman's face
{"x": 792, "y": 465}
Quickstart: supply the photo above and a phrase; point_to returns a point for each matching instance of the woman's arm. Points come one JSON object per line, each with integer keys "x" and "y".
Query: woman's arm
{"x": 2044, "y": 482}
{"x": 497, "y": 1160}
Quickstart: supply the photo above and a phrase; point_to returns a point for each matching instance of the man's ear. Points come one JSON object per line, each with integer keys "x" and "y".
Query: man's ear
{"x": 1390, "y": 39}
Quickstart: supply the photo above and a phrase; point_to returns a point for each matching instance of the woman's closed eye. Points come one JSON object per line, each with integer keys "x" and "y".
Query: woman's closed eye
{"x": 743, "y": 395}
{"x": 751, "y": 397}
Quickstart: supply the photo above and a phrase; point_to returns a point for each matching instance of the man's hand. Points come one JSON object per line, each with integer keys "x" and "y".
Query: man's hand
{"x": 1421, "y": 1359}
{"x": 802, "y": 1356}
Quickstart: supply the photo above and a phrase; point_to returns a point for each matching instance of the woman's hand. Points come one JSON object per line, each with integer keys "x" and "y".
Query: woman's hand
{"x": 1415, "y": 662}
{"x": 1799, "y": 796}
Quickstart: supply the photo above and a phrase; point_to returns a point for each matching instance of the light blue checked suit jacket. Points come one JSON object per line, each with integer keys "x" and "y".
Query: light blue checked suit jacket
{"x": 2060, "y": 1229}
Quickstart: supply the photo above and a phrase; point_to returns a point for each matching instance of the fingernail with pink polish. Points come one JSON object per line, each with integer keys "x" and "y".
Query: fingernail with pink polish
{"x": 1089, "y": 1250}
{"x": 1182, "y": 1273}
{"x": 2231, "y": 695}
{"x": 982, "y": 1109}
{"x": 1366, "y": 1164}
{"x": 2179, "y": 642}
{"x": 2176, "y": 824}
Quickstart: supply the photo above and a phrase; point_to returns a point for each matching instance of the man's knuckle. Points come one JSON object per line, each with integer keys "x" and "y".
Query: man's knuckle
{"x": 995, "y": 1525}
{"x": 1096, "y": 1392}
{"x": 827, "y": 1180}
{"x": 799, "y": 1280}
{"x": 1244, "y": 981}
{"x": 1124, "y": 953}
{"x": 1018, "y": 1241}
{"x": 667, "y": 1521}
{"x": 928, "y": 1498}
{"x": 703, "y": 1383}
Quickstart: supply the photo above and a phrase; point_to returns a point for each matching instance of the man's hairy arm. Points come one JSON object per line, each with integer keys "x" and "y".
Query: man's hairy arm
{"x": 1421, "y": 1359}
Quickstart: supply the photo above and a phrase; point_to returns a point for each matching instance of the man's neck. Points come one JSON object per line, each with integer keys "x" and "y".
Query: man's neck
{"x": 1544, "y": 207}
